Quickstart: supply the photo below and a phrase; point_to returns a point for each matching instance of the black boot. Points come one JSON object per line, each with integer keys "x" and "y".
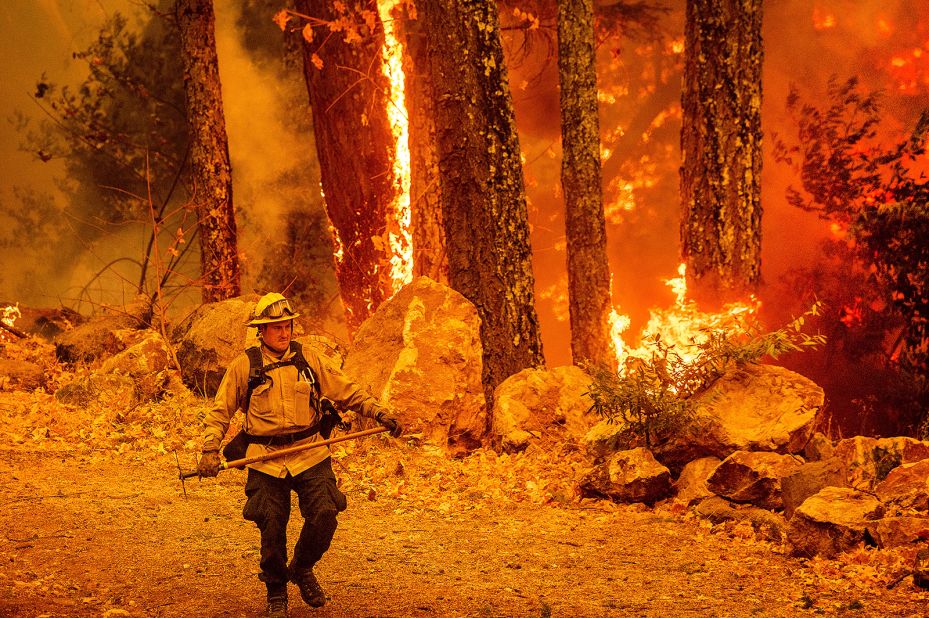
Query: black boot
{"x": 277, "y": 606}
{"x": 310, "y": 589}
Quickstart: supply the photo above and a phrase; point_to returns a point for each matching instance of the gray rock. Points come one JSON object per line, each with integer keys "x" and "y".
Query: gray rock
{"x": 690, "y": 486}
{"x": 548, "y": 406}
{"x": 752, "y": 408}
{"x": 208, "y": 340}
{"x": 421, "y": 353}
{"x": 809, "y": 479}
{"x": 896, "y": 531}
{"x": 766, "y": 524}
{"x": 906, "y": 487}
{"x": 870, "y": 460}
{"x": 753, "y": 477}
{"x": 629, "y": 476}
{"x": 832, "y": 521}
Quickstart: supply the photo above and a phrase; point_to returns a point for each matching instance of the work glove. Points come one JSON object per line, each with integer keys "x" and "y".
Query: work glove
{"x": 385, "y": 420}
{"x": 208, "y": 464}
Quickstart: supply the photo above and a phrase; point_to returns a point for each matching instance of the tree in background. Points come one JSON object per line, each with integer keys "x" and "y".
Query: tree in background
{"x": 349, "y": 96}
{"x": 877, "y": 201}
{"x": 588, "y": 268}
{"x": 123, "y": 139}
{"x": 211, "y": 172}
{"x": 483, "y": 197}
{"x": 721, "y": 148}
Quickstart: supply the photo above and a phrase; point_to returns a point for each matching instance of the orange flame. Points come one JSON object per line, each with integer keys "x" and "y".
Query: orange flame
{"x": 9, "y": 315}
{"x": 682, "y": 326}
{"x": 399, "y": 237}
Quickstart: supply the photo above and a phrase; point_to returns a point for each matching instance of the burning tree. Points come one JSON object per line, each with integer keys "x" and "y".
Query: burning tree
{"x": 349, "y": 96}
{"x": 877, "y": 202}
{"x": 721, "y": 147}
{"x": 211, "y": 170}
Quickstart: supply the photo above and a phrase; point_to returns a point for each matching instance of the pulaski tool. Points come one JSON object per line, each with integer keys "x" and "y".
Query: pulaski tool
{"x": 241, "y": 463}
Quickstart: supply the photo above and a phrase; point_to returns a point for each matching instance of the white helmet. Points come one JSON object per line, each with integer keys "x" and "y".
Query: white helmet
{"x": 272, "y": 307}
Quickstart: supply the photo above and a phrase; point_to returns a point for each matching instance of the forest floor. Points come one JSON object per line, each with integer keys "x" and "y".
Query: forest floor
{"x": 94, "y": 522}
{"x": 90, "y": 533}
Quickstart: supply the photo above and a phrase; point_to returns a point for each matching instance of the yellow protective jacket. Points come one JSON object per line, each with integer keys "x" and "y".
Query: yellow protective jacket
{"x": 282, "y": 405}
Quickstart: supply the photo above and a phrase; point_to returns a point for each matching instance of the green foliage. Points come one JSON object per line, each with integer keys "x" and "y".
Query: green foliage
{"x": 653, "y": 397}
{"x": 878, "y": 197}
{"x": 123, "y": 130}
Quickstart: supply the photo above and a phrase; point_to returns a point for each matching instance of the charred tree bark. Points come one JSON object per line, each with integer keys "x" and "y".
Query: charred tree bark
{"x": 211, "y": 172}
{"x": 721, "y": 148}
{"x": 589, "y": 301}
{"x": 429, "y": 252}
{"x": 354, "y": 145}
{"x": 483, "y": 196}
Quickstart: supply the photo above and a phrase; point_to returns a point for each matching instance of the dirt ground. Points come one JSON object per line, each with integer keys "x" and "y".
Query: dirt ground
{"x": 91, "y": 535}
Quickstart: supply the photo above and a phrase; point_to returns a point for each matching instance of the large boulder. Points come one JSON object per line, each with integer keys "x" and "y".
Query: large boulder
{"x": 906, "y": 487}
{"x": 832, "y": 521}
{"x": 629, "y": 476}
{"x": 751, "y": 408}
{"x": 753, "y": 477}
{"x": 895, "y": 531}
{"x": 421, "y": 353}
{"x": 809, "y": 479}
{"x": 210, "y": 337}
{"x": 114, "y": 330}
{"x": 870, "y": 460}
{"x": 545, "y": 405}
{"x": 138, "y": 373}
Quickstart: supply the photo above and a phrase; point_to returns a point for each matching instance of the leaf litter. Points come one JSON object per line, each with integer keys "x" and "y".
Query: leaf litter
{"x": 96, "y": 524}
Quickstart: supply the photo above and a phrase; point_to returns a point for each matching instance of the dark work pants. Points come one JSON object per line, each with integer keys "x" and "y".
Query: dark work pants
{"x": 268, "y": 505}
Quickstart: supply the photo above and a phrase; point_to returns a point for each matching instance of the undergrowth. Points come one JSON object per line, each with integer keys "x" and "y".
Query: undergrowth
{"x": 653, "y": 394}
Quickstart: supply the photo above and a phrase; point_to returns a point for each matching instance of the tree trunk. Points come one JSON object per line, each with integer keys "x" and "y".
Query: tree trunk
{"x": 588, "y": 266}
{"x": 349, "y": 95}
{"x": 429, "y": 253}
{"x": 211, "y": 172}
{"x": 483, "y": 196}
{"x": 721, "y": 148}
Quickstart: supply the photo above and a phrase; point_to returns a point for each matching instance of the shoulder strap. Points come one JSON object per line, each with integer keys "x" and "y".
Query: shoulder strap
{"x": 257, "y": 370}
{"x": 256, "y": 375}
{"x": 303, "y": 367}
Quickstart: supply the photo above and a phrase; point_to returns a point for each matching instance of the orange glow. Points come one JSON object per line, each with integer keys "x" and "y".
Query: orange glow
{"x": 399, "y": 236}
{"x": 823, "y": 19}
{"x": 682, "y": 326}
{"x": 9, "y": 315}
{"x": 883, "y": 26}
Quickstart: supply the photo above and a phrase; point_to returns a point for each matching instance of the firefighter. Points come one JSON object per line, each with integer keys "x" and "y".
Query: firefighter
{"x": 281, "y": 388}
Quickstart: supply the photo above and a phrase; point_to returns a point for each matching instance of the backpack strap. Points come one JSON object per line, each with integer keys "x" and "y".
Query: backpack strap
{"x": 257, "y": 370}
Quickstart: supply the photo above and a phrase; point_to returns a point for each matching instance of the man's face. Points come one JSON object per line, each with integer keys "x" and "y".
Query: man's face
{"x": 276, "y": 335}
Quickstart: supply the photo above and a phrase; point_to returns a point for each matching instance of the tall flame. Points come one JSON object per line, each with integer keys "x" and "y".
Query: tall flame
{"x": 399, "y": 236}
{"x": 682, "y": 326}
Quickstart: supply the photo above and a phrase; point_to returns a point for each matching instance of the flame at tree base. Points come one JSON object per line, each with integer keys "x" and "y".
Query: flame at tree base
{"x": 682, "y": 326}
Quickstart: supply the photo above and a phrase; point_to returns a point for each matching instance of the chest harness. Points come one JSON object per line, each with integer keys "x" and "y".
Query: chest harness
{"x": 258, "y": 375}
